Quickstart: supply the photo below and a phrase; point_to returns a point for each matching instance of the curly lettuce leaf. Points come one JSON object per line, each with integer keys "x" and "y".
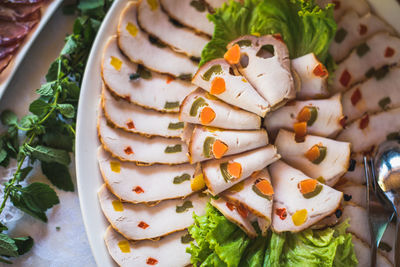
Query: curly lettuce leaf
{"x": 304, "y": 26}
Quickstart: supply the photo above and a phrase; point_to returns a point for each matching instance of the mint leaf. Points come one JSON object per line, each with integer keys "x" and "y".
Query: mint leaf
{"x": 56, "y": 139}
{"x": 70, "y": 45}
{"x": 58, "y": 175}
{"x": 21, "y": 175}
{"x": 8, "y": 246}
{"x": 28, "y": 121}
{"x": 48, "y": 154}
{"x": 46, "y": 89}
{"x": 24, "y": 244}
{"x": 67, "y": 110}
{"x": 8, "y": 118}
{"x": 19, "y": 203}
{"x": 3, "y": 155}
{"x": 39, "y": 107}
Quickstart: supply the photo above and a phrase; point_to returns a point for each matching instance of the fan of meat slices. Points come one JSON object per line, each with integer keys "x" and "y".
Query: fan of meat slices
{"x": 262, "y": 134}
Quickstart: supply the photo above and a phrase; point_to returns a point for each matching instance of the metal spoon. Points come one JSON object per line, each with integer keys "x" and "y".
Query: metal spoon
{"x": 387, "y": 163}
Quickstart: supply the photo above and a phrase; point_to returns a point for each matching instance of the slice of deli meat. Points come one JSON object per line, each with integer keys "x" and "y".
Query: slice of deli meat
{"x": 353, "y": 30}
{"x": 366, "y": 60}
{"x": 137, "y": 148}
{"x": 265, "y": 63}
{"x": 13, "y": 32}
{"x": 133, "y": 118}
{"x": 157, "y": 23}
{"x": 356, "y": 193}
{"x": 167, "y": 251}
{"x": 318, "y": 157}
{"x": 216, "y": 78}
{"x": 370, "y": 130}
{"x": 202, "y": 108}
{"x": 361, "y": 7}
{"x": 237, "y": 214}
{"x": 18, "y": 12}
{"x": 363, "y": 251}
{"x": 299, "y": 201}
{"x": 140, "y": 221}
{"x": 355, "y": 174}
{"x": 216, "y": 3}
{"x": 255, "y": 194}
{"x": 141, "y": 48}
{"x": 8, "y": 50}
{"x": 4, "y": 62}
{"x": 323, "y": 116}
{"x": 375, "y": 94}
{"x": 138, "y": 184}
{"x": 222, "y": 174}
{"x": 139, "y": 85}
{"x": 209, "y": 143}
{"x": 312, "y": 75}
{"x": 190, "y": 13}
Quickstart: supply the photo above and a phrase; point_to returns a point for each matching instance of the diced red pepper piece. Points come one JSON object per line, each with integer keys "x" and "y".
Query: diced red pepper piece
{"x": 127, "y": 98}
{"x": 151, "y": 261}
{"x": 128, "y": 150}
{"x": 320, "y": 71}
{"x": 278, "y": 36}
{"x": 345, "y": 78}
{"x": 355, "y": 97}
{"x": 138, "y": 190}
{"x": 389, "y": 52}
{"x": 243, "y": 212}
{"x": 230, "y": 206}
{"x": 364, "y": 122}
{"x": 130, "y": 125}
{"x": 337, "y": 4}
{"x": 281, "y": 213}
{"x": 362, "y": 29}
{"x": 342, "y": 121}
{"x": 143, "y": 225}
{"x": 169, "y": 79}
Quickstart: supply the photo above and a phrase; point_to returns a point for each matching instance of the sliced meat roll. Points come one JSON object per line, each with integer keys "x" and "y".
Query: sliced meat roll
{"x": 299, "y": 201}
{"x": 133, "y": 118}
{"x": 361, "y": 7}
{"x": 371, "y": 130}
{"x": 138, "y": 85}
{"x": 356, "y": 174}
{"x": 221, "y": 174}
{"x": 190, "y": 13}
{"x": 208, "y": 143}
{"x": 216, "y": 78}
{"x": 144, "y": 49}
{"x": 356, "y": 193}
{"x": 17, "y": 12}
{"x": 8, "y": 50}
{"x": 375, "y": 94}
{"x": 4, "y": 62}
{"x": 157, "y": 23}
{"x": 265, "y": 63}
{"x": 353, "y": 30}
{"x": 138, "y": 184}
{"x": 318, "y": 157}
{"x": 363, "y": 251}
{"x": 216, "y": 3}
{"x": 366, "y": 60}
{"x": 202, "y": 108}
{"x": 255, "y": 194}
{"x": 313, "y": 77}
{"x": 134, "y": 147}
{"x": 323, "y": 116}
{"x": 14, "y": 32}
{"x": 140, "y": 221}
{"x": 166, "y": 252}
{"x": 236, "y": 214}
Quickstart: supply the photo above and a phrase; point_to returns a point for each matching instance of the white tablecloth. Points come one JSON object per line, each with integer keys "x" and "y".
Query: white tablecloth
{"x": 62, "y": 241}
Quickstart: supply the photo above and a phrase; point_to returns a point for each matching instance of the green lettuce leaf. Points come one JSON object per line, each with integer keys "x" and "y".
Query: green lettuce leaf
{"x": 304, "y": 26}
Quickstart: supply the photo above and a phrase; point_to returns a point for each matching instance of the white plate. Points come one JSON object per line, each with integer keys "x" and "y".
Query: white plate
{"x": 88, "y": 175}
{"x": 8, "y": 73}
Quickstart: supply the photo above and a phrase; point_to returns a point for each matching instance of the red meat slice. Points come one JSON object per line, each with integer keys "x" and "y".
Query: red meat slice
{"x": 13, "y": 12}
{"x": 13, "y": 32}
{"x": 4, "y": 62}
{"x": 8, "y": 50}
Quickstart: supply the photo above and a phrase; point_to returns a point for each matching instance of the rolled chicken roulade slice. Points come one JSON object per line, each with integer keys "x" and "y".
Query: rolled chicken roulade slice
{"x": 370, "y": 130}
{"x": 299, "y": 201}
{"x": 157, "y": 23}
{"x": 215, "y": 77}
{"x": 312, "y": 75}
{"x": 133, "y": 118}
{"x": 356, "y": 174}
{"x": 141, "y": 48}
{"x": 216, "y": 3}
{"x": 361, "y": 7}
{"x": 136, "y": 184}
{"x": 256, "y": 195}
{"x": 367, "y": 60}
{"x": 363, "y": 251}
{"x": 208, "y": 143}
{"x": 190, "y": 13}
{"x": 353, "y": 30}
{"x": 202, "y": 108}
{"x": 373, "y": 95}
{"x": 137, "y": 148}
{"x": 138, "y": 85}
{"x": 140, "y": 221}
{"x": 318, "y": 157}
{"x": 237, "y": 214}
{"x": 265, "y": 63}
{"x": 355, "y": 193}
{"x": 168, "y": 251}
{"x": 323, "y": 116}
{"x": 221, "y": 174}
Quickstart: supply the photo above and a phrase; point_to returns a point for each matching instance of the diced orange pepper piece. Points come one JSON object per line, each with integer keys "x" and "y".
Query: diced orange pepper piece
{"x": 313, "y": 153}
{"x": 235, "y": 169}
{"x": 217, "y": 86}
{"x": 300, "y": 130}
{"x": 304, "y": 115}
{"x": 265, "y": 187}
{"x": 230, "y": 206}
{"x": 233, "y": 54}
{"x": 308, "y": 186}
{"x": 207, "y": 115}
{"x": 219, "y": 149}
{"x": 243, "y": 212}
{"x": 320, "y": 71}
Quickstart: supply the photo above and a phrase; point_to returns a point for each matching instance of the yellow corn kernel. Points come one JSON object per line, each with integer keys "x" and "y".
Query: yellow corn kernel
{"x": 132, "y": 29}
{"x": 116, "y": 63}
{"x": 124, "y": 246}
{"x": 299, "y": 217}
{"x": 115, "y": 166}
{"x": 153, "y": 4}
{"x": 197, "y": 182}
{"x": 118, "y": 205}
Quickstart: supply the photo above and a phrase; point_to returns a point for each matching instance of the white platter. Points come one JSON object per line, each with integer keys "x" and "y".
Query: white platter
{"x": 7, "y": 75}
{"x": 89, "y": 179}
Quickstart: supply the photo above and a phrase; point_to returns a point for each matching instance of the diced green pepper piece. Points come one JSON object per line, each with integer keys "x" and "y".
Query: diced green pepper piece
{"x": 216, "y": 69}
{"x": 185, "y": 206}
{"x": 322, "y": 155}
{"x": 198, "y": 103}
{"x": 314, "y": 193}
{"x": 207, "y": 146}
{"x": 176, "y": 125}
{"x": 173, "y": 149}
{"x": 181, "y": 179}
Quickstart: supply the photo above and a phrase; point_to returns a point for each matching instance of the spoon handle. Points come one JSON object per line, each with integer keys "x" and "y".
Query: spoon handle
{"x": 397, "y": 243}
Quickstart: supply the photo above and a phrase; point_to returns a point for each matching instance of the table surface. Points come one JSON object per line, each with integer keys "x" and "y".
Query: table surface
{"x": 62, "y": 241}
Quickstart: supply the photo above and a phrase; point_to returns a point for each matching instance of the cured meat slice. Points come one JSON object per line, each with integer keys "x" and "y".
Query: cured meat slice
{"x": 18, "y": 12}
{"x": 157, "y": 23}
{"x": 8, "y": 50}
{"x": 4, "y": 62}
{"x": 299, "y": 201}
{"x": 12, "y": 32}
{"x": 356, "y": 193}
{"x": 208, "y": 143}
{"x": 165, "y": 252}
{"x": 140, "y": 221}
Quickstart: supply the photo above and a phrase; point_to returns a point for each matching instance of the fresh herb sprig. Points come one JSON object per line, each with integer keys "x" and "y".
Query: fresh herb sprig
{"x": 49, "y": 129}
